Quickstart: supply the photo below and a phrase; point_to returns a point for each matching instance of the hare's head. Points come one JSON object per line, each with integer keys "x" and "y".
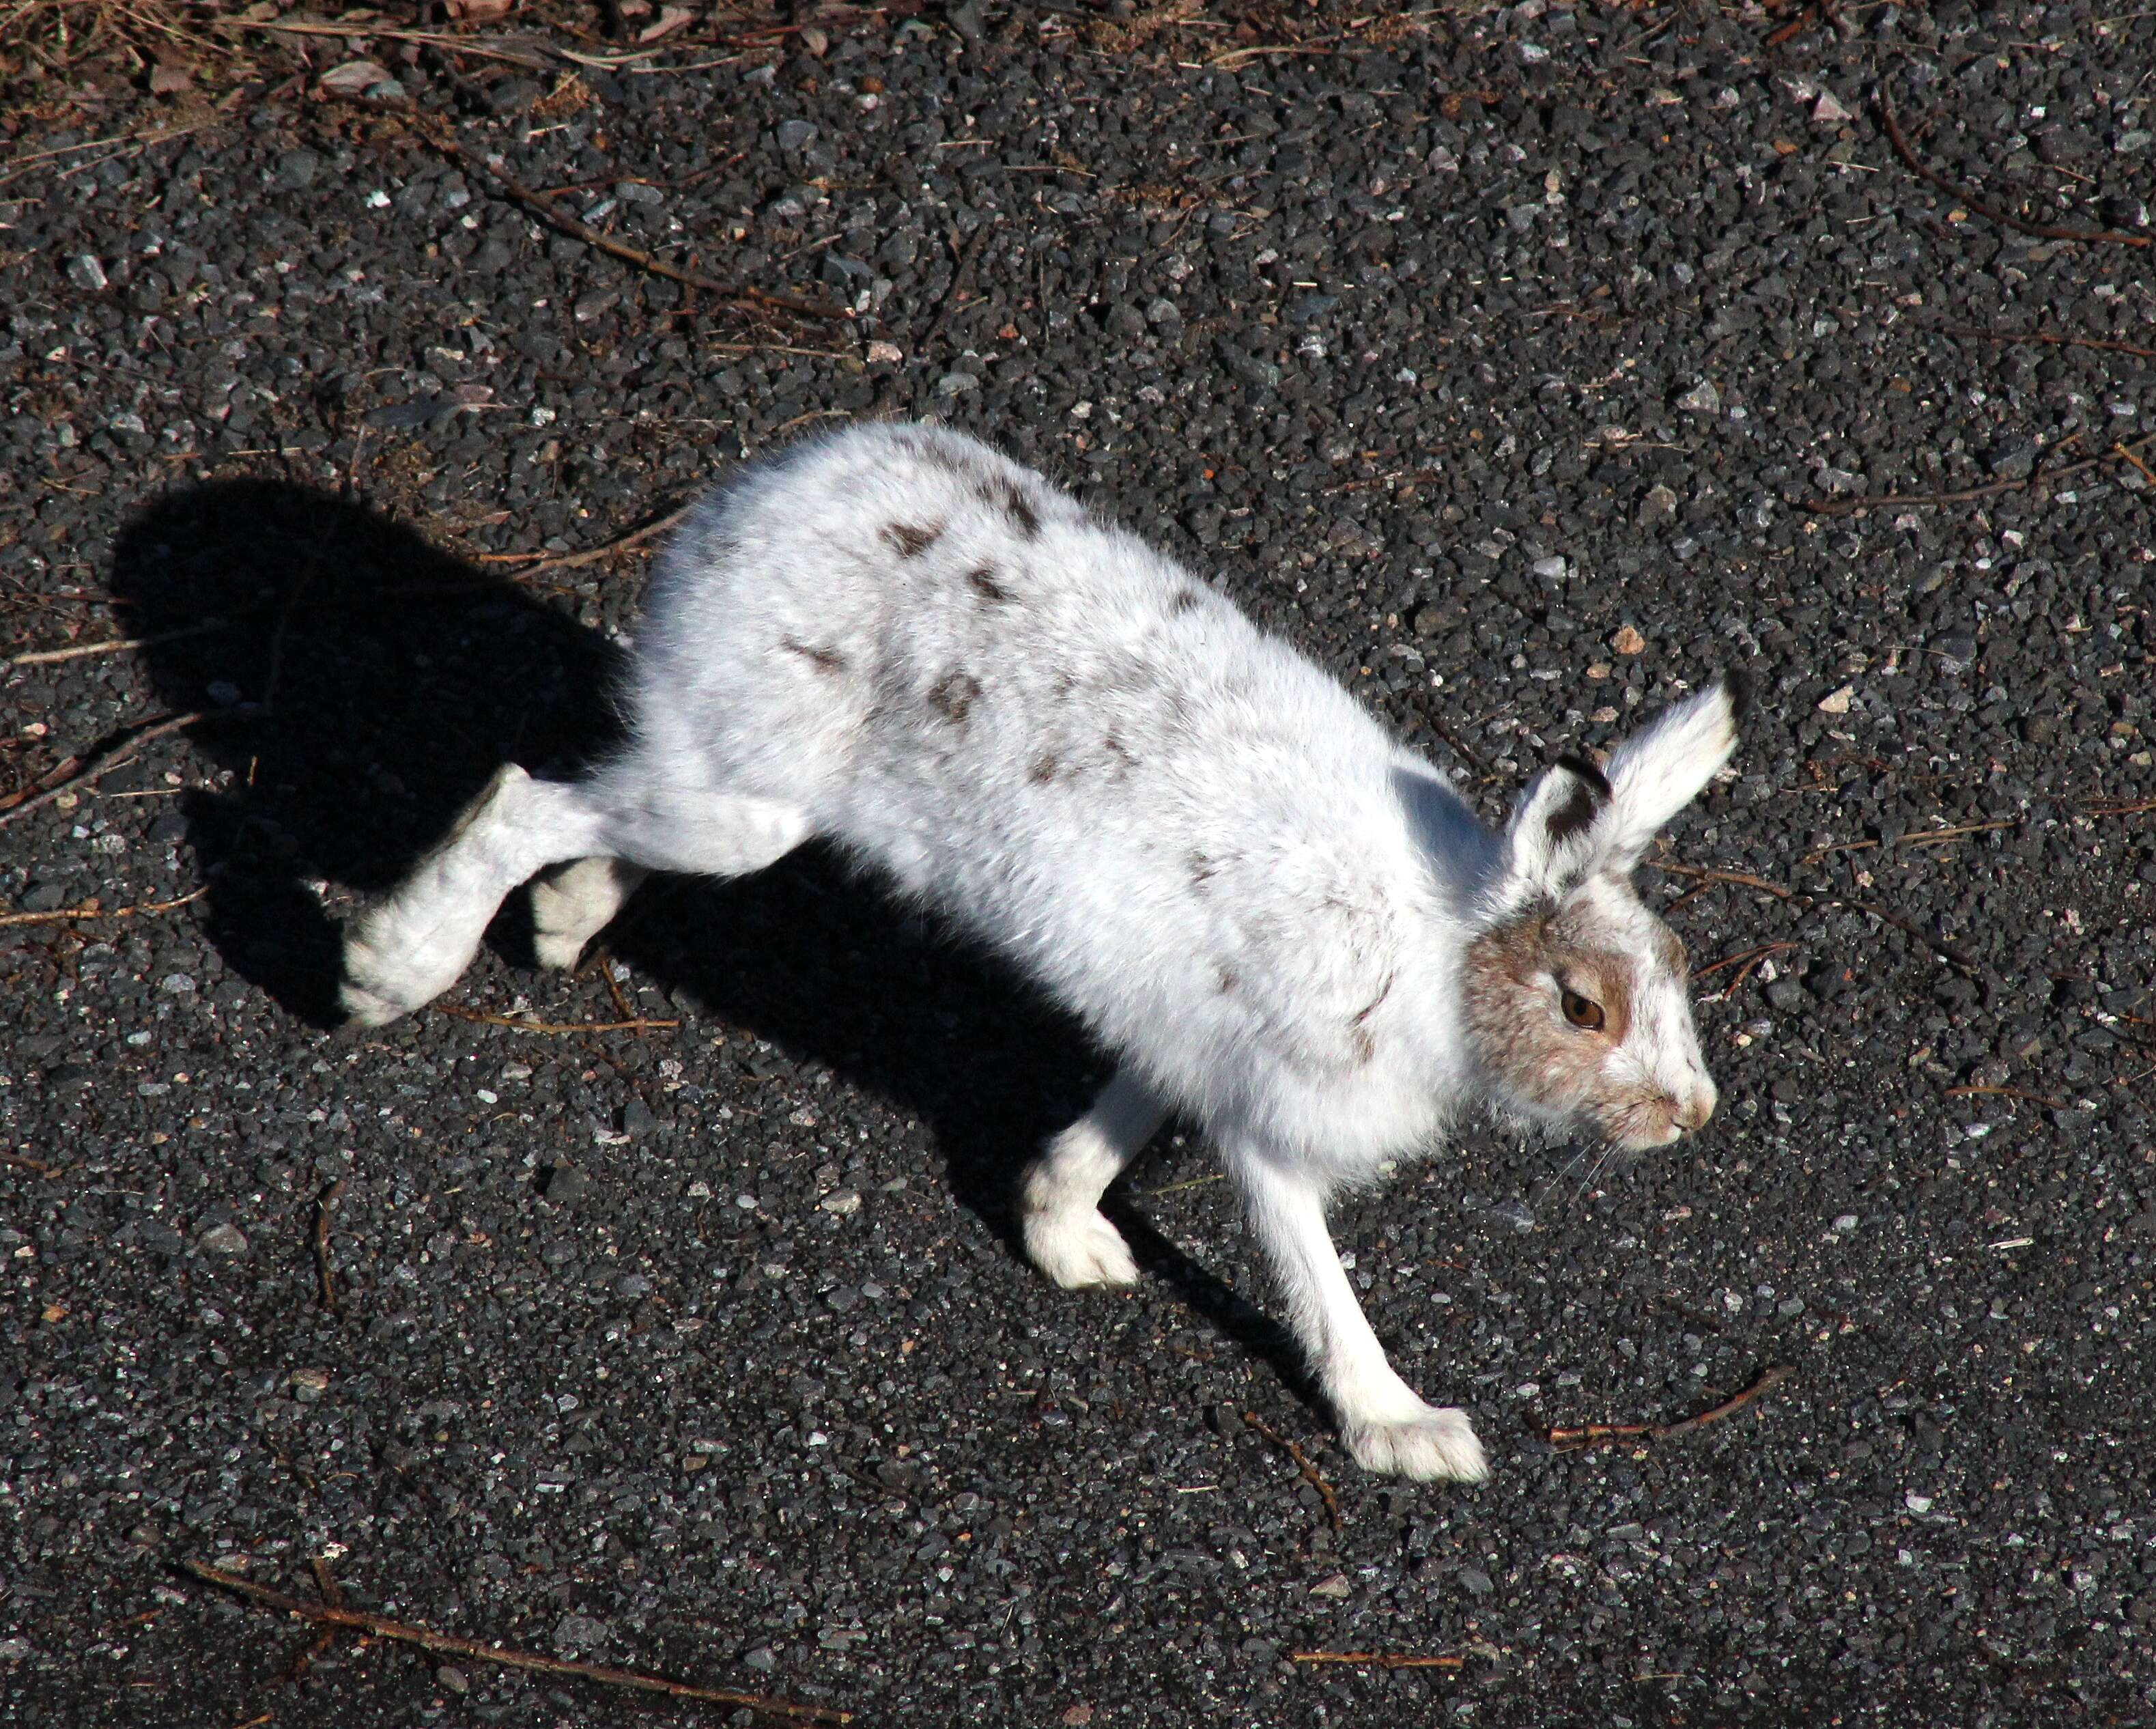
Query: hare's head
{"x": 1575, "y": 993}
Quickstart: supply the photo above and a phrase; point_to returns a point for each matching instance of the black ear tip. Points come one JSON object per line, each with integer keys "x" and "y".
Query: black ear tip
{"x": 1737, "y": 685}
{"x": 1582, "y": 769}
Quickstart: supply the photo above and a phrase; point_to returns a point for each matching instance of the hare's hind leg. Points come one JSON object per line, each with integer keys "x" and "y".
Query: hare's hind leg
{"x": 407, "y": 949}
{"x": 698, "y": 831}
{"x": 572, "y": 903}
{"x": 1059, "y": 1197}
{"x": 410, "y": 948}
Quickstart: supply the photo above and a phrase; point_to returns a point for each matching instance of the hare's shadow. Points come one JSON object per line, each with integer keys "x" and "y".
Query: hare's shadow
{"x": 396, "y": 678}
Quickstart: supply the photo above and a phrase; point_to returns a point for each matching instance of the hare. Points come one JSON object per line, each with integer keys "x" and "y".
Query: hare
{"x": 1289, "y": 928}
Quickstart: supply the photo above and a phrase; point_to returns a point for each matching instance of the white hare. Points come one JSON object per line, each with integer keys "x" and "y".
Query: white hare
{"x": 1288, "y": 927}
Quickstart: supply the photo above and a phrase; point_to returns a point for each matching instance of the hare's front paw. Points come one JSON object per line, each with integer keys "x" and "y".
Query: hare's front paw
{"x": 1437, "y": 1445}
{"x": 1076, "y": 1247}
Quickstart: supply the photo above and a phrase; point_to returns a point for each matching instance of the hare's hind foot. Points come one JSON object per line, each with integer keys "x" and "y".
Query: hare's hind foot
{"x": 572, "y": 903}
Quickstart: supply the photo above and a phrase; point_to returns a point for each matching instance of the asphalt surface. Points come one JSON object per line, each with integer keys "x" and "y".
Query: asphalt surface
{"x": 1493, "y": 360}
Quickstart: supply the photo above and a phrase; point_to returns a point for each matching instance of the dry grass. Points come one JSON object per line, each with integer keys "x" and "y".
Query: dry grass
{"x": 64, "y": 33}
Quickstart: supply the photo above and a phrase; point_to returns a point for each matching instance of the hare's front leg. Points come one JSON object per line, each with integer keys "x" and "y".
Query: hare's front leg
{"x": 1059, "y": 1198}
{"x": 1387, "y": 1428}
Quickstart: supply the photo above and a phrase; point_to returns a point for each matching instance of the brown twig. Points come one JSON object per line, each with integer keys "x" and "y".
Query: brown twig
{"x": 91, "y": 909}
{"x": 381, "y": 1627}
{"x": 542, "y": 561}
{"x": 1302, "y": 1464}
{"x": 20, "y": 1162}
{"x": 1946, "y": 951}
{"x": 333, "y": 1595}
{"x": 2121, "y": 452}
{"x": 47, "y": 656}
{"x": 1603, "y": 1434}
{"x": 1746, "y": 963}
{"x": 2008, "y": 1092}
{"x": 551, "y": 213}
{"x": 1796, "y": 27}
{"x": 2132, "y": 807}
{"x": 1461, "y": 749}
{"x": 503, "y": 52}
{"x": 961, "y": 275}
{"x": 518, "y": 1023}
{"x": 2040, "y": 477}
{"x": 1983, "y": 207}
{"x": 323, "y": 1203}
{"x": 122, "y": 753}
{"x": 1376, "y": 1660}
{"x": 2049, "y": 337}
{"x": 1931, "y": 835}
{"x": 1775, "y": 889}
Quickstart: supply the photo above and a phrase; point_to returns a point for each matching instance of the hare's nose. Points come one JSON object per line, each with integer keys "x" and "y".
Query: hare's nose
{"x": 1692, "y": 1116}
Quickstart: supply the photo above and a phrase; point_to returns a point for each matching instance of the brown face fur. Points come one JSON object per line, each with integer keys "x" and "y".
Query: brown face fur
{"x": 1516, "y": 1019}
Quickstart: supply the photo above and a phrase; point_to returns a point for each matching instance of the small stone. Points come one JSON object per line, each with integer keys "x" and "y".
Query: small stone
{"x": 1078, "y": 1716}
{"x": 564, "y": 1184}
{"x": 1553, "y": 568}
{"x": 1828, "y": 112}
{"x": 578, "y": 1633}
{"x": 762, "y": 1658}
{"x": 1514, "y": 1213}
{"x": 1478, "y": 1582}
{"x": 297, "y": 169}
{"x": 224, "y": 1240}
{"x": 956, "y": 383}
{"x": 1703, "y": 398}
{"x": 1917, "y": 1503}
{"x": 1336, "y": 1588}
{"x": 84, "y": 271}
{"x": 845, "y": 1202}
{"x": 1837, "y": 702}
{"x": 308, "y": 1384}
{"x": 1659, "y": 506}
{"x": 514, "y": 96}
{"x": 354, "y": 78}
{"x": 795, "y": 135}
{"x": 14, "y": 1650}
{"x": 636, "y": 1117}
{"x": 886, "y": 354}
{"x": 1844, "y": 1224}
{"x": 2013, "y": 459}
{"x": 1627, "y": 641}
{"x": 454, "y": 1679}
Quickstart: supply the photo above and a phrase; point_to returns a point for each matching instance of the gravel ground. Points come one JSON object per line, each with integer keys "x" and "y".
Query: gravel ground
{"x": 1493, "y": 359}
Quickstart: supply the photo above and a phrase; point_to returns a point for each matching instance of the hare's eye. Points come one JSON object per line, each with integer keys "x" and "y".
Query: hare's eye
{"x": 1582, "y": 1012}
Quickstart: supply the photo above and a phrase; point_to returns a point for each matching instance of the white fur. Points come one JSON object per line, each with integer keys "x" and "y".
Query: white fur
{"x": 1193, "y": 839}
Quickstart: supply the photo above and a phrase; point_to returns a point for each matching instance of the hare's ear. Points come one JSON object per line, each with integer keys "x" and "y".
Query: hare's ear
{"x": 1656, "y": 774}
{"x": 1550, "y": 841}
